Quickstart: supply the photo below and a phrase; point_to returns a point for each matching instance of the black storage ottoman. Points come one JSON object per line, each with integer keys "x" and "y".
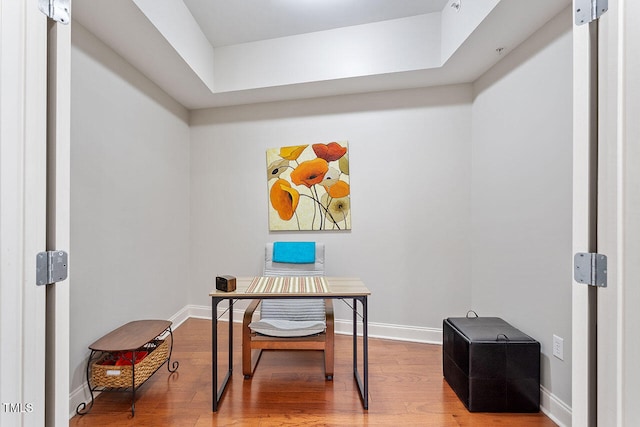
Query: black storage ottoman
{"x": 492, "y": 366}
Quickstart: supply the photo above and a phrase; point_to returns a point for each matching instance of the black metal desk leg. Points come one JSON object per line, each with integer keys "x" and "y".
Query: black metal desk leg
{"x": 214, "y": 352}
{"x": 363, "y": 383}
{"x": 365, "y": 352}
{"x": 218, "y": 392}
{"x": 230, "y": 337}
{"x": 355, "y": 338}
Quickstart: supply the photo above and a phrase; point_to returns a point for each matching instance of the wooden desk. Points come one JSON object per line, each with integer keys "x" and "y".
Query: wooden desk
{"x": 338, "y": 288}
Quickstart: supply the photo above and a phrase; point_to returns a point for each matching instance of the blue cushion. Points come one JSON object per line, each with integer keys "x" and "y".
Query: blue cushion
{"x": 294, "y": 252}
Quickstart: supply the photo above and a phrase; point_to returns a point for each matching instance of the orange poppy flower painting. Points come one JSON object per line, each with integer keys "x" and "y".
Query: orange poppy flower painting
{"x": 309, "y": 187}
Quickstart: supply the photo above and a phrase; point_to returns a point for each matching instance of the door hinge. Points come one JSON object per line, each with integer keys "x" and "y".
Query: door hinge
{"x": 51, "y": 267}
{"x": 590, "y": 269}
{"x": 589, "y": 10}
{"x": 58, "y": 10}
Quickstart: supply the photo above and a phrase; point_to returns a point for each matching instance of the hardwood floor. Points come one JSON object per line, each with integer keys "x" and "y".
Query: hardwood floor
{"x": 406, "y": 388}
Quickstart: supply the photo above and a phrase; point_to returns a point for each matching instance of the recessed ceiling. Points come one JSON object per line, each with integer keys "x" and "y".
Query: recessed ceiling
{"x": 229, "y": 22}
{"x": 208, "y": 53}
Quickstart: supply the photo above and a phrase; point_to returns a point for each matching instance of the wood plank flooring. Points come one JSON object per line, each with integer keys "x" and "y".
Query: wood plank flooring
{"x": 406, "y": 388}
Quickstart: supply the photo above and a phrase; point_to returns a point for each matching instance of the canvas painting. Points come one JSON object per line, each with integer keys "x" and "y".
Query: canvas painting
{"x": 309, "y": 187}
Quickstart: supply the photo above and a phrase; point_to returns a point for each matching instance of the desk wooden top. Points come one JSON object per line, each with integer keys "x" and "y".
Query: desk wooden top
{"x": 338, "y": 287}
{"x": 131, "y": 336}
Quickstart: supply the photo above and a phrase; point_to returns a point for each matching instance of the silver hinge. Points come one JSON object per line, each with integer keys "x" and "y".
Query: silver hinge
{"x": 590, "y": 269}
{"x": 589, "y": 10}
{"x": 51, "y": 267}
{"x": 58, "y": 10}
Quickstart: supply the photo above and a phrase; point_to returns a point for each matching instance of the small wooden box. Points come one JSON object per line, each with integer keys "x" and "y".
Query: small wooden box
{"x": 226, "y": 283}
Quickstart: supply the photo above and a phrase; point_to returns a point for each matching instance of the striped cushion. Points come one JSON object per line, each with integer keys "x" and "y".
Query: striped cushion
{"x": 293, "y": 309}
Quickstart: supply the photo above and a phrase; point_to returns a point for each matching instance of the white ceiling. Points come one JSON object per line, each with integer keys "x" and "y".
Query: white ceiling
{"x": 208, "y": 53}
{"x": 229, "y": 22}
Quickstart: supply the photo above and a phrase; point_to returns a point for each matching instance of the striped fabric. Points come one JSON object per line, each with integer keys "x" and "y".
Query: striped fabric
{"x": 290, "y": 285}
{"x": 293, "y": 311}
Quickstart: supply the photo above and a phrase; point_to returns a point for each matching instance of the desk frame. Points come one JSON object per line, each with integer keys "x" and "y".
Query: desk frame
{"x": 217, "y": 297}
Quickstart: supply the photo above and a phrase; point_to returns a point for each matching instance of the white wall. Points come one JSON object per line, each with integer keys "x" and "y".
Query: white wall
{"x": 457, "y": 24}
{"x": 359, "y": 50}
{"x": 129, "y": 198}
{"x": 410, "y": 173}
{"x": 522, "y": 194}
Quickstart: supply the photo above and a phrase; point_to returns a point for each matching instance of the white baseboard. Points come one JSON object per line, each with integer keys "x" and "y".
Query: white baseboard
{"x": 204, "y": 312}
{"x": 78, "y": 396}
{"x": 393, "y": 332}
{"x": 182, "y": 315}
{"x": 554, "y": 408}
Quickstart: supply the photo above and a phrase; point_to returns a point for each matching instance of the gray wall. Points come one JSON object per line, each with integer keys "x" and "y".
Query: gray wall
{"x": 410, "y": 172}
{"x": 129, "y": 198}
{"x": 522, "y": 194}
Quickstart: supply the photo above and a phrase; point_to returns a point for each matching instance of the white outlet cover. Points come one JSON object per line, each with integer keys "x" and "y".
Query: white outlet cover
{"x": 558, "y": 347}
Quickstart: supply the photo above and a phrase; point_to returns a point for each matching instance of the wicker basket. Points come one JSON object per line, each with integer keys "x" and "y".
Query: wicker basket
{"x": 119, "y": 376}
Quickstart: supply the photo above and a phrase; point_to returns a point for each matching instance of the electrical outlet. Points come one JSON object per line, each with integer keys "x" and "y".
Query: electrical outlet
{"x": 558, "y": 347}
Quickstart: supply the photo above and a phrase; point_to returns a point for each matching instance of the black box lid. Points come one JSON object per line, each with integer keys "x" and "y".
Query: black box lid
{"x": 493, "y": 329}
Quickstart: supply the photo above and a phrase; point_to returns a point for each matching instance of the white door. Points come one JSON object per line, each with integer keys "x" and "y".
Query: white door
{"x": 617, "y": 318}
{"x": 619, "y": 215}
{"x": 22, "y": 212}
{"x": 34, "y": 215}
{"x": 58, "y": 220}
{"x": 629, "y": 190}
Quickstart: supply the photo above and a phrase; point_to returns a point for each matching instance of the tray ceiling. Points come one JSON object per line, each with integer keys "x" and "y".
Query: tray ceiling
{"x": 207, "y": 53}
